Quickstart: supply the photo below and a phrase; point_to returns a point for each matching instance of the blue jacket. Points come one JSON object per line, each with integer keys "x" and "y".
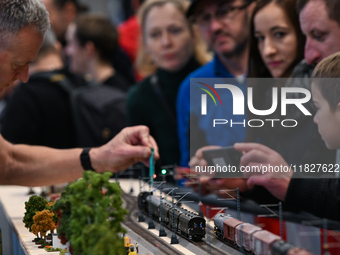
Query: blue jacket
{"x": 188, "y": 112}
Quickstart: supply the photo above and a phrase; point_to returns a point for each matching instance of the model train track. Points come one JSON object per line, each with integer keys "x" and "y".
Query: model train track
{"x": 213, "y": 249}
{"x": 163, "y": 246}
{"x": 131, "y": 205}
{"x": 226, "y": 249}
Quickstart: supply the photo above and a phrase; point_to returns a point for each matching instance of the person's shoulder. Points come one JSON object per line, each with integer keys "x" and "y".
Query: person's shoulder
{"x": 141, "y": 87}
{"x": 303, "y": 70}
{"x": 41, "y": 88}
{"x": 140, "y": 92}
{"x": 118, "y": 81}
{"x": 53, "y": 77}
{"x": 38, "y": 83}
{"x": 203, "y": 71}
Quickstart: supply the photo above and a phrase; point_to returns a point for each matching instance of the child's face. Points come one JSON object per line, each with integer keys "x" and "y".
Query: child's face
{"x": 328, "y": 121}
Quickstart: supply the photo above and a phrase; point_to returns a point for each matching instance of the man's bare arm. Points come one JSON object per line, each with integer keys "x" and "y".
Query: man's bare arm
{"x": 37, "y": 165}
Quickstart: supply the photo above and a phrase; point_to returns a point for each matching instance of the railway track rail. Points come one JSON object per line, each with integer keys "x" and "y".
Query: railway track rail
{"x": 131, "y": 223}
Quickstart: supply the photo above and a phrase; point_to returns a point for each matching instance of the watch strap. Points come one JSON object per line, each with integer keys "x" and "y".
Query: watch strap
{"x": 85, "y": 159}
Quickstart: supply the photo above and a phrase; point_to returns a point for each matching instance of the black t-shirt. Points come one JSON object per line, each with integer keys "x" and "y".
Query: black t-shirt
{"x": 39, "y": 113}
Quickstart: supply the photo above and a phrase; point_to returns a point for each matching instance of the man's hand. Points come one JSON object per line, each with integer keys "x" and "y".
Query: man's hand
{"x": 257, "y": 155}
{"x": 131, "y": 145}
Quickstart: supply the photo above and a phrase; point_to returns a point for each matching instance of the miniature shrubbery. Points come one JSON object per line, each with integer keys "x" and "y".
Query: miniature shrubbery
{"x": 34, "y": 205}
{"x": 90, "y": 217}
{"x": 43, "y": 222}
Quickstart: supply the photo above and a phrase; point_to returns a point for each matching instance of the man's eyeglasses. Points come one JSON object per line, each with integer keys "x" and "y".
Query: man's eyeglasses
{"x": 224, "y": 12}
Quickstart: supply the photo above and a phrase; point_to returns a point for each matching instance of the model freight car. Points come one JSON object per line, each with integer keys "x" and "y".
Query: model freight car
{"x": 252, "y": 238}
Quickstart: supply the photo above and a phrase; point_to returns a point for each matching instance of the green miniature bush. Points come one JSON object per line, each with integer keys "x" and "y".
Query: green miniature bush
{"x": 34, "y": 204}
{"x": 90, "y": 218}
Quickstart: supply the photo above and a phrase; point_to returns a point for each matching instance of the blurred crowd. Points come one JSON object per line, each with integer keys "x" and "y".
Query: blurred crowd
{"x": 149, "y": 59}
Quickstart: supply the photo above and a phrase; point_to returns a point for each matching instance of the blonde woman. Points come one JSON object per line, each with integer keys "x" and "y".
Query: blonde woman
{"x": 169, "y": 52}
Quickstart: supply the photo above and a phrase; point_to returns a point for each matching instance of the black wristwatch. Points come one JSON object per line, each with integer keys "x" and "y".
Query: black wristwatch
{"x": 85, "y": 159}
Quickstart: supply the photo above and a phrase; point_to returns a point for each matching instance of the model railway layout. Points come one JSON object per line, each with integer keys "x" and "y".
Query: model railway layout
{"x": 248, "y": 238}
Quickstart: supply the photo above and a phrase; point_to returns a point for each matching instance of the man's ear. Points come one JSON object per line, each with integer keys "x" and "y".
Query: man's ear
{"x": 90, "y": 49}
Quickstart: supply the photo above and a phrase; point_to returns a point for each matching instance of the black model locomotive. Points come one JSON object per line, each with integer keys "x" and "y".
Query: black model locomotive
{"x": 187, "y": 223}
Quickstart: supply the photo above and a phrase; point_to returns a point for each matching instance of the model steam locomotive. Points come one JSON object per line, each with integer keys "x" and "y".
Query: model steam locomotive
{"x": 187, "y": 223}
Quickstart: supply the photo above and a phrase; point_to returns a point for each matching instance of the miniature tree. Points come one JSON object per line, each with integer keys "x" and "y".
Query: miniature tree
{"x": 34, "y": 204}
{"x": 43, "y": 222}
{"x": 92, "y": 216}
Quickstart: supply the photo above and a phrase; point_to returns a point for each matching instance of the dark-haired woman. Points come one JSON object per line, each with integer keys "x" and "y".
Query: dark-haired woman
{"x": 277, "y": 47}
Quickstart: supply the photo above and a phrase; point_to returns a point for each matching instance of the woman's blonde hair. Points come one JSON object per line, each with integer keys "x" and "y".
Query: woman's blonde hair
{"x": 144, "y": 64}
